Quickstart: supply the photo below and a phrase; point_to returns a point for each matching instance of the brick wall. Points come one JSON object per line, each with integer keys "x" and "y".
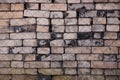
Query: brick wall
{"x": 59, "y": 39}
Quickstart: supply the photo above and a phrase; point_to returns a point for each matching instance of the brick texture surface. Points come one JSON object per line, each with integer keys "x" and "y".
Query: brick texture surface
{"x": 59, "y": 39}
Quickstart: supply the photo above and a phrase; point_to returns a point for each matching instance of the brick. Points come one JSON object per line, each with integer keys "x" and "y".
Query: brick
{"x": 17, "y": 7}
{"x": 110, "y": 35}
{"x": 54, "y": 7}
{"x": 38, "y": 1}
{"x": 97, "y": 71}
{"x": 5, "y": 77}
{"x": 99, "y": 20}
{"x": 98, "y": 35}
{"x": 112, "y": 42}
{"x": 70, "y": 71}
{"x": 68, "y": 57}
{"x": 83, "y": 64}
{"x": 30, "y": 42}
{"x": 114, "y": 28}
{"x": 84, "y": 21}
{"x": 113, "y": 13}
{"x": 64, "y": 78}
{"x": 42, "y": 28}
{"x": 105, "y": 50}
{"x": 98, "y": 28}
{"x": 10, "y": 42}
{"x": 113, "y": 21}
{"x": 11, "y": 1}
{"x": 91, "y": 77}
{"x": 70, "y": 14}
{"x": 4, "y": 23}
{"x": 43, "y": 36}
{"x": 36, "y": 13}
{"x": 70, "y": 64}
{"x": 70, "y": 36}
{"x": 24, "y": 21}
{"x": 87, "y": 1}
{"x": 56, "y": 28}
{"x": 4, "y": 7}
{"x": 84, "y": 28}
{"x": 31, "y": 71}
{"x": 100, "y": 0}
{"x": 29, "y": 57}
{"x": 36, "y": 64}
{"x": 70, "y": 21}
{"x": 30, "y": 35}
{"x": 32, "y": 6}
{"x": 50, "y": 71}
{"x": 109, "y": 6}
{"x": 73, "y": 1}
{"x": 109, "y": 58}
{"x": 4, "y": 50}
{"x": 71, "y": 28}
{"x": 4, "y": 64}
{"x": 16, "y": 64}
{"x": 101, "y": 64}
{"x": 78, "y": 50}
{"x": 60, "y": 1}
{"x": 57, "y": 22}
{"x": 112, "y": 78}
{"x": 55, "y": 64}
{"x": 56, "y": 14}
{"x": 4, "y": 36}
{"x": 9, "y": 15}
{"x": 89, "y": 57}
{"x": 59, "y": 42}
{"x": 83, "y": 71}
{"x": 22, "y": 50}
{"x": 57, "y": 50}
{"x": 43, "y": 50}
{"x": 52, "y": 58}
{"x": 42, "y": 21}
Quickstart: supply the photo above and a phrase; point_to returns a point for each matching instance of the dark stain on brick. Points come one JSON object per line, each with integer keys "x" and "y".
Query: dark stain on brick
{"x": 39, "y": 56}
{"x": 84, "y": 36}
{"x": 80, "y": 11}
{"x": 43, "y": 43}
{"x": 65, "y": 14}
{"x": 56, "y": 36}
{"x": 53, "y": 1}
{"x": 71, "y": 43}
{"x": 43, "y": 77}
{"x": 101, "y": 13}
{"x": 26, "y": 5}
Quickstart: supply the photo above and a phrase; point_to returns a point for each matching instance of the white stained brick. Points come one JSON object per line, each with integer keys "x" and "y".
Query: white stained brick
{"x": 36, "y": 13}
{"x": 29, "y": 35}
{"x": 73, "y": 1}
{"x": 24, "y": 21}
{"x": 42, "y": 21}
{"x": 84, "y": 28}
{"x": 43, "y": 35}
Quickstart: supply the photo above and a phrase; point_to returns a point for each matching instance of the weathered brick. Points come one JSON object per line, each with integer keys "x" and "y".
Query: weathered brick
{"x": 51, "y": 71}
{"x": 29, "y": 57}
{"x": 36, "y": 13}
{"x": 4, "y": 23}
{"x": 38, "y": 1}
{"x": 98, "y": 28}
{"x": 64, "y": 77}
{"x": 105, "y": 50}
{"x": 68, "y": 57}
{"x": 42, "y": 28}
{"x": 43, "y": 35}
{"x": 4, "y": 36}
{"x": 100, "y": 0}
{"x": 78, "y": 50}
{"x": 17, "y": 7}
{"x": 23, "y": 21}
{"x": 70, "y": 21}
{"x": 57, "y": 50}
{"x": 101, "y": 64}
{"x": 84, "y": 28}
{"x": 57, "y": 22}
{"x": 30, "y": 42}
{"x": 59, "y": 42}
{"x": 113, "y": 21}
{"x": 70, "y": 71}
{"x": 42, "y": 21}
{"x": 87, "y": 1}
{"x": 30, "y": 35}
{"x": 91, "y": 77}
{"x": 109, "y": 6}
{"x": 73, "y": 1}
{"x": 114, "y": 28}
{"x": 70, "y": 64}
{"x": 17, "y": 64}
{"x": 5, "y": 77}
{"x": 36, "y": 64}
{"x": 83, "y": 64}
{"x": 99, "y": 20}
{"x": 24, "y": 50}
{"x": 112, "y": 42}
{"x": 56, "y": 64}
{"x": 31, "y": 71}
{"x": 4, "y": 50}
{"x": 112, "y": 72}
{"x": 97, "y": 71}
{"x": 56, "y": 28}
{"x": 71, "y": 28}
{"x": 89, "y": 57}
{"x": 56, "y": 14}
{"x": 4, "y": 7}
{"x": 10, "y": 42}
{"x": 54, "y": 7}
{"x": 70, "y": 14}
{"x": 110, "y": 35}
{"x": 32, "y": 6}
{"x": 83, "y": 71}
{"x": 4, "y": 64}
{"x": 84, "y": 21}
{"x": 11, "y": 1}
{"x": 9, "y": 15}
{"x": 70, "y": 36}
{"x": 43, "y": 50}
